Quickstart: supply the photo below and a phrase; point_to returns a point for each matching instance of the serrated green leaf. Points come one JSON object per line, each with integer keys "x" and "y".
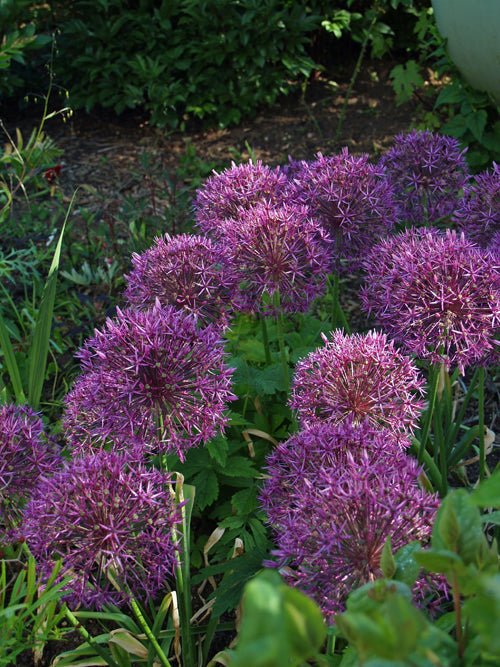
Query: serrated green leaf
{"x": 207, "y": 488}
{"x": 270, "y": 380}
{"x": 218, "y": 449}
{"x": 245, "y": 501}
{"x": 239, "y": 466}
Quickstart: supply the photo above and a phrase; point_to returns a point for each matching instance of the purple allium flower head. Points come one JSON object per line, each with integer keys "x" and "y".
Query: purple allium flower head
{"x": 332, "y": 515}
{"x": 359, "y": 377}
{"x": 437, "y": 294}
{"x": 351, "y": 198}
{"x": 186, "y": 271}
{"x": 236, "y": 189}
{"x": 26, "y": 453}
{"x": 278, "y": 252}
{"x": 108, "y": 519}
{"x": 478, "y": 211}
{"x": 152, "y": 375}
{"x": 428, "y": 170}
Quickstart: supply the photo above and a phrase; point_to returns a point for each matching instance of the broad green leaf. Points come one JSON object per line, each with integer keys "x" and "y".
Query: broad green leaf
{"x": 488, "y": 492}
{"x": 207, "y": 488}
{"x": 476, "y": 122}
{"x": 462, "y": 529}
{"x": 441, "y": 561}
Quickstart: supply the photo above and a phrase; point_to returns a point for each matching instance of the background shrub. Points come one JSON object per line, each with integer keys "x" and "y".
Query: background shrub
{"x": 183, "y": 57}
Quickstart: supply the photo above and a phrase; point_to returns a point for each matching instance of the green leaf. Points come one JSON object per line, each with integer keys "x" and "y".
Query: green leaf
{"x": 405, "y": 78}
{"x": 239, "y": 466}
{"x": 41, "y": 336}
{"x": 476, "y": 122}
{"x": 466, "y": 539}
{"x": 245, "y": 501}
{"x": 407, "y": 568}
{"x": 387, "y": 562}
{"x": 10, "y": 362}
{"x": 207, "y": 488}
{"x": 488, "y": 492}
{"x": 455, "y": 127}
{"x": 449, "y": 95}
{"x": 218, "y": 448}
{"x": 441, "y": 561}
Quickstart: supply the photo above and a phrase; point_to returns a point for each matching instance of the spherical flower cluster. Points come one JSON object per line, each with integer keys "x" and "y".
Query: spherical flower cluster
{"x": 478, "y": 211}
{"x": 186, "y": 271}
{"x": 351, "y": 198}
{"x": 428, "y": 170}
{"x": 332, "y": 512}
{"x": 26, "y": 453}
{"x": 280, "y": 254}
{"x": 359, "y": 377}
{"x": 236, "y": 189}
{"x": 437, "y": 294}
{"x": 153, "y": 376}
{"x": 111, "y": 522}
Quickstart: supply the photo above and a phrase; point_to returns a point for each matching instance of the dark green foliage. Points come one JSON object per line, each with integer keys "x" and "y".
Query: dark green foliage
{"x": 19, "y": 38}
{"x": 183, "y": 58}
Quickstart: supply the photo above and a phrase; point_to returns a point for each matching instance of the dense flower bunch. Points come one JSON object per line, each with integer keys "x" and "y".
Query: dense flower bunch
{"x": 333, "y": 497}
{"x": 113, "y": 525}
{"x": 186, "y": 271}
{"x": 478, "y": 211}
{"x": 282, "y": 257}
{"x": 428, "y": 170}
{"x": 358, "y": 377}
{"x": 437, "y": 294}
{"x": 26, "y": 453}
{"x": 237, "y": 189}
{"x": 151, "y": 375}
{"x": 351, "y": 198}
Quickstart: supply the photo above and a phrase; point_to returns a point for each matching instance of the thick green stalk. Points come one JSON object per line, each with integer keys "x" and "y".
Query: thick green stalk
{"x": 149, "y": 634}
{"x": 88, "y": 638}
{"x": 338, "y": 316}
{"x": 183, "y": 574}
{"x": 265, "y": 340}
{"x": 480, "y": 409}
{"x": 281, "y": 340}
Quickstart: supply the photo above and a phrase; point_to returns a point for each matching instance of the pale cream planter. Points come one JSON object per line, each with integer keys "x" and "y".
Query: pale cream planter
{"x": 473, "y": 31}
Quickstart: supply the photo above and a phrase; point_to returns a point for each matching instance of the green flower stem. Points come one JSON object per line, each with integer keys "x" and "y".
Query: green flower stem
{"x": 265, "y": 340}
{"x": 149, "y": 634}
{"x": 354, "y": 76}
{"x": 284, "y": 361}
{"x": 183, "y": 574}
{"x": 338, "y": 316}
{"x": 89, "y": 639}
{"x": 433, "y": 387}
{"x": 440, "y": 447}
{"x": 480, "y": 408}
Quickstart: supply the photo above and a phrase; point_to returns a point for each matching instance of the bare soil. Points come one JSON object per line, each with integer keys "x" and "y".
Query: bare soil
{"x": 101, "y": 146}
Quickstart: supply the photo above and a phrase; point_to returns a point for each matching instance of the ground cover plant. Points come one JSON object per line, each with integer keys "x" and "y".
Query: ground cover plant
{"x": 228, "y": 424}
